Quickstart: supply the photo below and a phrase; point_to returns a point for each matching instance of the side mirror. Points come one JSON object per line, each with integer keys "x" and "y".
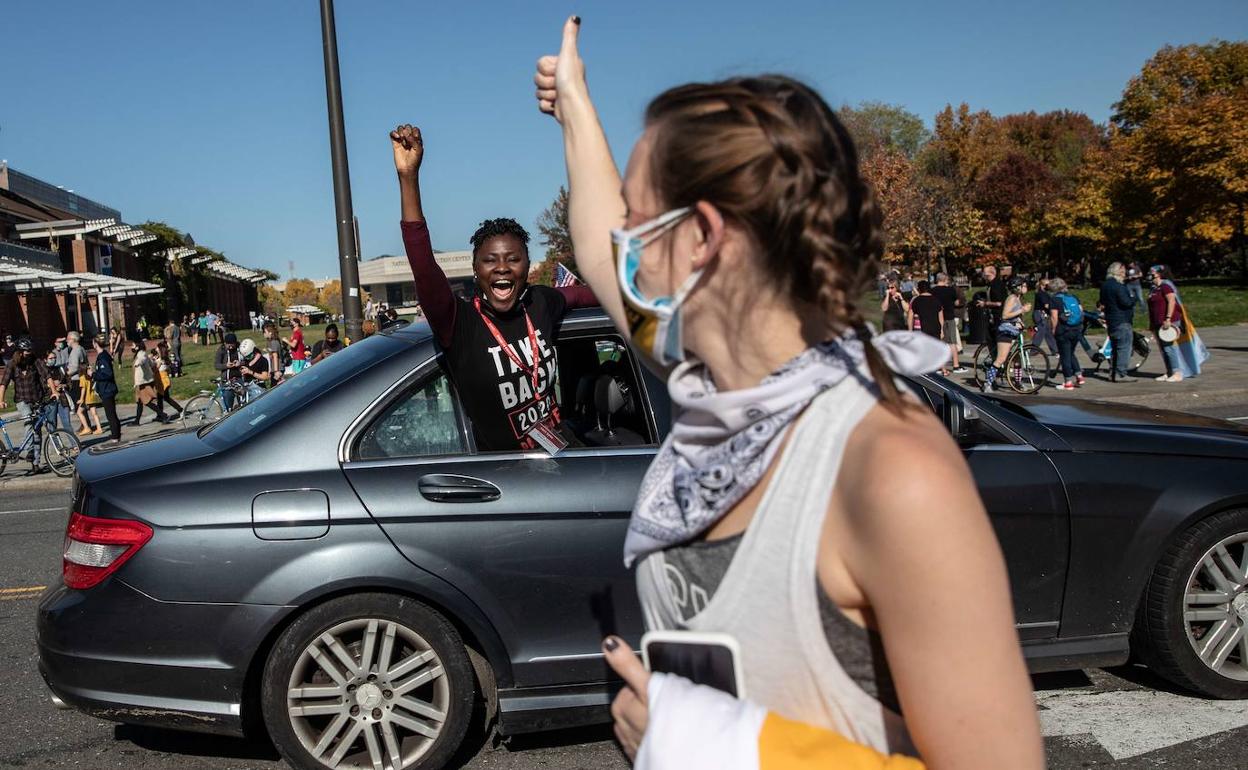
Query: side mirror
{"x": 958, "y": 417}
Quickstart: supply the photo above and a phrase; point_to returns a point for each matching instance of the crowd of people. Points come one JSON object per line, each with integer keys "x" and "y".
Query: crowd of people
{"x": 1053, "y": 316}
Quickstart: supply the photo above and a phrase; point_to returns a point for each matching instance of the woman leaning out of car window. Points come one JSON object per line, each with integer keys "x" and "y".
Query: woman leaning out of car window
{"x": 745, "y": 234}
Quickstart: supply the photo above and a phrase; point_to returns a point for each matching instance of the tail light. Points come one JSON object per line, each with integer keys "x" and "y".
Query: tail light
{"x": 96, "y": 548}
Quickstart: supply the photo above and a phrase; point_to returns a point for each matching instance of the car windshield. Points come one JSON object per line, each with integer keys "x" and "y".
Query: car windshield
{"x": 297, "y": 391}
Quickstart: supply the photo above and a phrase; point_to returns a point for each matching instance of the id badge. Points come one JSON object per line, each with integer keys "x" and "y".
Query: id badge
{"x": 546, "y": 435}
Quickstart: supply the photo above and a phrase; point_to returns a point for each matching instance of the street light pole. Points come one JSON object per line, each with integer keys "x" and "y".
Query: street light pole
{"x": 348, "y": 249}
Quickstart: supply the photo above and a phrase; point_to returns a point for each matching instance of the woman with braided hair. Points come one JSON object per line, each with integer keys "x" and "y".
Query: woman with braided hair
{"x": 744, "y": 234}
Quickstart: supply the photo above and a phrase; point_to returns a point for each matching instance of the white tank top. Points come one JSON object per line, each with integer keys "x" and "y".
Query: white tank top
{"x": 768, "y": 599}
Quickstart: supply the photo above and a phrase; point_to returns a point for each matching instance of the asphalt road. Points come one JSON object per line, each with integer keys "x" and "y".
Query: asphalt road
{"x": 1101, "y": 719}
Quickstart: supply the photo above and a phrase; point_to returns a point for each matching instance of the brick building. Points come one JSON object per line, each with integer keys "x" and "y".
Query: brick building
{"x": 68, "y": 262}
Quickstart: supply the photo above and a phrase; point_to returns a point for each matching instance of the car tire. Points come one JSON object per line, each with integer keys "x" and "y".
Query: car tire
{"x": 1184, "y": 630}
{"x": 408, "y": 705}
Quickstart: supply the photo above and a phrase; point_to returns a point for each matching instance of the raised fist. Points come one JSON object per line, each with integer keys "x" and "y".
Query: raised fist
{"x": 561, "y": 78}
{"x": 409, "y": 148}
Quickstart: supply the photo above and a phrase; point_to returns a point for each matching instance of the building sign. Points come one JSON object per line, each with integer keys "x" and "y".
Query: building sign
{"x": 104, "y": 260}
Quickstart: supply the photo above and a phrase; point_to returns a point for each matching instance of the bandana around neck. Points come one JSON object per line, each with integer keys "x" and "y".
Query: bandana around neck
{"x": 721, "y": 444}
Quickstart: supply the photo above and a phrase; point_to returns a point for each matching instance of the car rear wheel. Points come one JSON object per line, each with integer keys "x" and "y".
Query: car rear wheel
{"x": 1193, "y": 622}
{"x": 368, "y": 681}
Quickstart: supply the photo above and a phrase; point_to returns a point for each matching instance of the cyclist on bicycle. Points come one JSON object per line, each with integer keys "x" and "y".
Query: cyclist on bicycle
{"x": 1009, "y": 329}
{"x": 230, "y": 365}
{"x": 32, "y": 386}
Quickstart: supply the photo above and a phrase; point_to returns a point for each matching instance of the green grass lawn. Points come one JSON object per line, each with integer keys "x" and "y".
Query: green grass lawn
{"x": 1209, "y": 302}
{"x": 197, "y": 369}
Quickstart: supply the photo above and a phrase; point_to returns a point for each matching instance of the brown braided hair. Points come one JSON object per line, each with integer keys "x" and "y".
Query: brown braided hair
{"x": 771, "y": 155}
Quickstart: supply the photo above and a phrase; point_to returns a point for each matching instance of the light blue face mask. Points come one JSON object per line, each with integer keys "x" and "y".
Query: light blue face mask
{"x": 654, "y": 322}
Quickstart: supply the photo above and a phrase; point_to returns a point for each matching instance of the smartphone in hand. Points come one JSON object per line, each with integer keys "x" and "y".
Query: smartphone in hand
{"x": 712, "y": 659}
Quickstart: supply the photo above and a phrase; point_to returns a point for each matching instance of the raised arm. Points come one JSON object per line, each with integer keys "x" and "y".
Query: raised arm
{"x": 433, "y": 290}
{"x": 595, "y": 202}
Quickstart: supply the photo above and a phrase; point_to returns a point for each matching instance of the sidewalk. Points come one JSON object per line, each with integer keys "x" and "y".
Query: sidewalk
{"x": 14, "y": 476}
{"x": 1223, "y": 379}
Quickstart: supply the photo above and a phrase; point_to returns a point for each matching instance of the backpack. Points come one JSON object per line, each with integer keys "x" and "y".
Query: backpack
{"x": 1069, "y": 309}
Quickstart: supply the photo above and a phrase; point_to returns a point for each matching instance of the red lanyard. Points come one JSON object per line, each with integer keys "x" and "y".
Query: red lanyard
{"x": 515, "y": 359}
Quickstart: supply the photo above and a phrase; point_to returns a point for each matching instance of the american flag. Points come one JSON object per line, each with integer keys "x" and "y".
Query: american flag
{"x": 565, "y": 277}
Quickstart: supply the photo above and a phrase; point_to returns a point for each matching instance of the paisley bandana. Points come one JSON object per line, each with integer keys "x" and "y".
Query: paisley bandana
{"x": 721, "y": 444}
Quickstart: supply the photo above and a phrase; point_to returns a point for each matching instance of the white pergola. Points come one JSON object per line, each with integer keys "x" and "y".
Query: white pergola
{"x": 121, "y": 233}
{"x": 20, "y": 278}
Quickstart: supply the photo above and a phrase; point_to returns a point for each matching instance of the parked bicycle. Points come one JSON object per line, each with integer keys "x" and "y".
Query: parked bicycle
{"x": 58, "y": 450}
{"x": 1098, "y": 347}
{"x": 210, "y": 405}
{"x": 1026, "y": 366}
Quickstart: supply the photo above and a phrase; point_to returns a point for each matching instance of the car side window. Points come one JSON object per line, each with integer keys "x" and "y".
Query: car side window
{"x": 422, "y": 422}
{"x": 600, "y": 399}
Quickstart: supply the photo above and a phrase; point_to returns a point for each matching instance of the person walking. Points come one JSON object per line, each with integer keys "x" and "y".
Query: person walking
{"x": 1119, "y": 308}
{"x": 62, "y": 406}
{"x": 298, "y": 351}
{"x": 1135, "y": 277}
{"x": 104, "y": 384}
{"x": 76, "y": 369}
{"x": 1165, "y": 319}
{"x": 744, "y": 230}
{"x": 950, "y": 305}
{"x": 33, "y": 385}
{"x": 894, "y": 307}
{"x": 1041, "y": 316}
{"x": 1066, "y": 322}
{"x": 145, "y": 384}
{"x": 162, "y": 360}
{"x": 926, "y": 314}
{"x": 116, "y": 343}
{"x": 173, "y": 343}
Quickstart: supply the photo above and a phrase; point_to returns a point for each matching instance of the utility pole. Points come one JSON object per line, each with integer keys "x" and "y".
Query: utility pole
{"x": 348, "y": 249}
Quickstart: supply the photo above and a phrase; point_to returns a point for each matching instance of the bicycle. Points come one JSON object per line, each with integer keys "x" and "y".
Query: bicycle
{"x": 1099, "y": 349}
{"x": 1026, "y": 366}
{"x": 208, "y": 406}
{"x": 59, "y": 449}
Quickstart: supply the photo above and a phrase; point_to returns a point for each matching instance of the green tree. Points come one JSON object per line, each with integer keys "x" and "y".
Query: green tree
{"x": 552, "y": 226}
{"x": 878, "y": 126}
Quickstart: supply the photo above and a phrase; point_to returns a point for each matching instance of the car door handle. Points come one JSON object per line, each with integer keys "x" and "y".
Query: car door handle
{"x": 450, "y": 488}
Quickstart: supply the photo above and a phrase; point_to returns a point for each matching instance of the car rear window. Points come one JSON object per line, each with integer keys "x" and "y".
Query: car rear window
{"x": 296, "y": 392}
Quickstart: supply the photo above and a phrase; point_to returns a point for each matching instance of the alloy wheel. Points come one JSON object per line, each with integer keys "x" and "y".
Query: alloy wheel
{"x": 1215, "y": 611}
{"x": 368, "y": 693}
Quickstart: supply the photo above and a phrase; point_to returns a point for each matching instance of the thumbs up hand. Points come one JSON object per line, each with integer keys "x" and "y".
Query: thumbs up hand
{"x": 560, "y": 79}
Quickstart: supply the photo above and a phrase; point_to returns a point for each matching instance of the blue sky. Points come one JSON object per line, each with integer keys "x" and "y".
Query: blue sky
{"x": 211, "y": 115}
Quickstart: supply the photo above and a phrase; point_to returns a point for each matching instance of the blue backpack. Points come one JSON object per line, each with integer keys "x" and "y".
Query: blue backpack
{"x": 1070, "y": 311}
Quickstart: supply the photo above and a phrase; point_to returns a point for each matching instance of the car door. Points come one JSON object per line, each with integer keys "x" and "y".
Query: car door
{"x": 1026, "y": 502}
{"x": 535, "y": 541}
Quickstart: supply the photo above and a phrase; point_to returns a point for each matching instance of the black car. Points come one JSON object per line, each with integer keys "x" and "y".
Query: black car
{"x": 336, "y": 564}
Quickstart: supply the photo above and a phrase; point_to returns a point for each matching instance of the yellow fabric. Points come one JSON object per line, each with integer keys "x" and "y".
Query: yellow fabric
{"x": 1188, "y": 331}
{"x": 88, "y": 391}
{"x": 787, "y": 745}
{"x": 164, "y": 381}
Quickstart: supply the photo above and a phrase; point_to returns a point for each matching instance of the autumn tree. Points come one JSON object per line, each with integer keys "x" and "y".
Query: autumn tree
{"x": 1182, "y": 124}
{"x": 330, "y": 296}
{"x": 300, "y": 291}
{"x": 271, "y": 301}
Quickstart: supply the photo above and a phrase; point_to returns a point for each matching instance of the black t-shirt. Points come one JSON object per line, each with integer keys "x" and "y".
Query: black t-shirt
{"x": 926, "y": 310}
{"x": 326, "y": 347}
{"x": 497, "y": 394}
{"x": 948, "y": 297}
{"x": 258, "y": 364}
{"x": 996, "y": 293}
{"x": 1043, "y": 303}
